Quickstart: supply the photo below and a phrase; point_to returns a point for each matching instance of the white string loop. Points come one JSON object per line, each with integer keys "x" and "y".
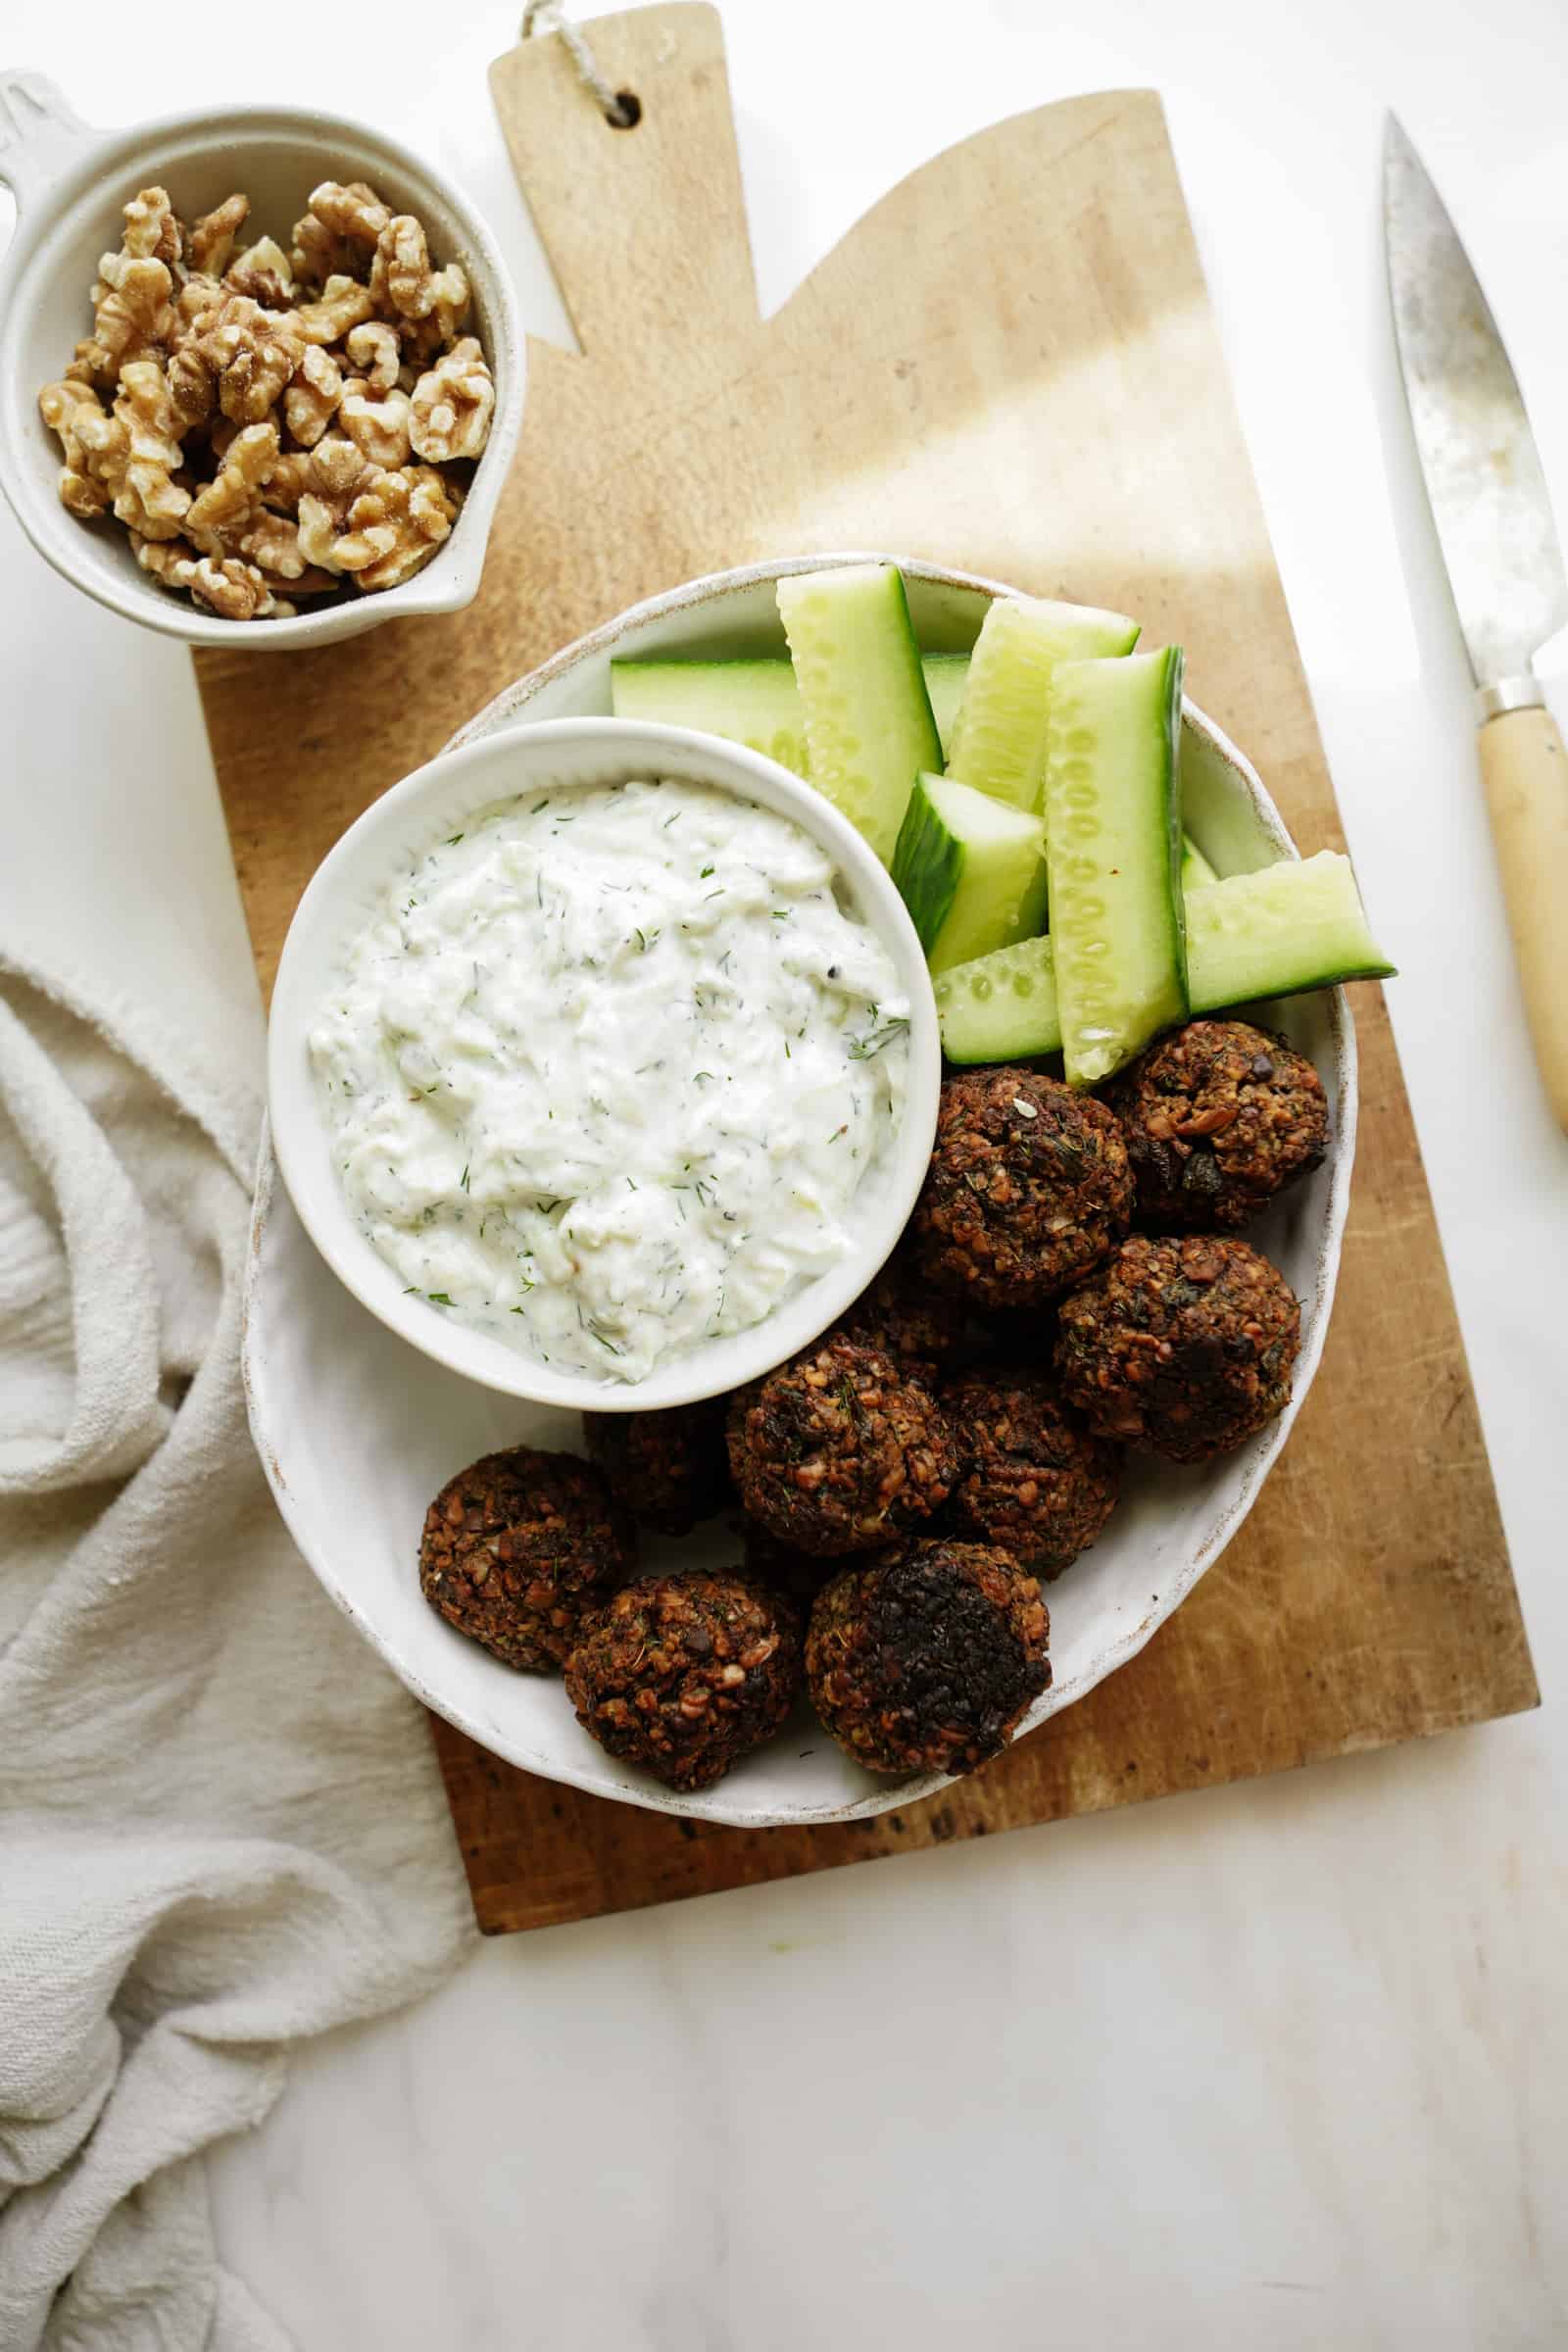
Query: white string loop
{"x": 619, "y": 108}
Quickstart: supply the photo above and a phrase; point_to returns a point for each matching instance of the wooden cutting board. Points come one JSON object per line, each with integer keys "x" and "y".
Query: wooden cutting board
{"x": 1009, "y": 365}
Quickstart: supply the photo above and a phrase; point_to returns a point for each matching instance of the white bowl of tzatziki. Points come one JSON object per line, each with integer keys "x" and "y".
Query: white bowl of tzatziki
{"x": 603, "y": 1063}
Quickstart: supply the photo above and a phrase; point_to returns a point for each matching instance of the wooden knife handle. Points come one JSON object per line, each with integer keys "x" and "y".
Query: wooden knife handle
{"x": 1526, "y": 773}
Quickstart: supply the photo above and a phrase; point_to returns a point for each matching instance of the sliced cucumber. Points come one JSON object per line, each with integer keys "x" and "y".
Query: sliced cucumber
{"x": 1292, "y": 926}
{"x": 754, "y": 701}
{"x": 1197, "y": 872}
{"x": 1114, "y": 851}
{"x": 1003, "y": 1007}
{"x": 967, "y": 868}
{"x": 999, "y": 744}
{"x": 945, "y": 675}
{"x": 868, "y": 724}
{"x": 1033, "y": 914}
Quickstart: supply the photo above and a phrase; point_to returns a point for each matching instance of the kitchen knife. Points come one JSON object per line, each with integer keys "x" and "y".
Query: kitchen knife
{"x": 1505, "y": 564}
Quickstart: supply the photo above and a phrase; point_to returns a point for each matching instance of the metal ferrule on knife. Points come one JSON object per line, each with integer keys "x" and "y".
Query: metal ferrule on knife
{"x": 1508, "y": 694}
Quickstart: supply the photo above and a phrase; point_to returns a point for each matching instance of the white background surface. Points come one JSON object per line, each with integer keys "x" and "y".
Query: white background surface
{"x": 1281, "y": 2063}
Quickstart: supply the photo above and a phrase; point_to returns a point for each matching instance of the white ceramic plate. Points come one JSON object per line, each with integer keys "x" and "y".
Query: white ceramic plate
{"x": 357, "y": 1431}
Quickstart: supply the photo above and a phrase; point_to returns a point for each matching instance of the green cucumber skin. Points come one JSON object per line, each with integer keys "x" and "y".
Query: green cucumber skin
{"x": 755, "y": 701}
{"x": 957, "y": 941}
{"x": 1112, "y": 794}
{"x": 927, "y": 867}
{"x": 1002, "y": 1008}
{"x": 999, "y": 742}
{"x": 968, "y": 870}
{"x": 1175, "y": 670}
{"x": 869, "y": 730}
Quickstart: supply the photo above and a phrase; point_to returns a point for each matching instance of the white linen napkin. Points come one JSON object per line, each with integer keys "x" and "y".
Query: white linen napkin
{"x": 222, "y": 1827}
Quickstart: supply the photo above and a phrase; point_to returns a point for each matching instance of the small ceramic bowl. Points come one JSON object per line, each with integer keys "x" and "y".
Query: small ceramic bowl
{"x": 70, "y": 183}
{"x": 350, "y": 887}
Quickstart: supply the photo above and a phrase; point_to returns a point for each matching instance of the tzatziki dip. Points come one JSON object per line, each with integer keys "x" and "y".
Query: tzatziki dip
{"x": 613, "y": 1071}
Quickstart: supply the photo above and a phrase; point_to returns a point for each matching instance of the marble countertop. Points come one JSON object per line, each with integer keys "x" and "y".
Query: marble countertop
{"x": 1280, "y": 2063}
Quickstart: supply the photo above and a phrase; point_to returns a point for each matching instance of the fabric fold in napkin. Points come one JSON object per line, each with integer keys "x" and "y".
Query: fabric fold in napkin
{"x": 222, "y": 1827}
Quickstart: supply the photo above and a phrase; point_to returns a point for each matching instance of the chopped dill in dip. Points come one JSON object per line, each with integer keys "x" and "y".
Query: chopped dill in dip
{"x": 608, "y": 1073}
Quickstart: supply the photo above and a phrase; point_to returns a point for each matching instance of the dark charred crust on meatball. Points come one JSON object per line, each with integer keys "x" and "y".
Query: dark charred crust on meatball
{"x": 928, "y": 1660}
{"x": 1184, "y": 1346}
{"x": 906, "y": 1315}
{"x": 837, "y": 1453}
{"x": 667, "y": 1469}
{"x": 1029, "y": 1188}
{"x": 1033, "y": 1479}
{"x": 1220, "y": 1118}
{"x": 518, "y": 1547}
{"x": 684, "y": 1675}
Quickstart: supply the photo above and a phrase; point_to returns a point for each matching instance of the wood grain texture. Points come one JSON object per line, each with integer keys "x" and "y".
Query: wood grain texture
{"x": 1011, "y": 366}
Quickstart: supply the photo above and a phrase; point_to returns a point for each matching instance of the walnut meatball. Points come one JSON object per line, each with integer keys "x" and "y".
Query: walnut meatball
{"x": 780, "y": 1567}
{"x": 1219, "y": 1117}
{"x": 1183, "y": 1346}
{"x": 518, "y": 1547}
{"x": 927, "y": 1660}
{"x": 667, "y": 1469}
{"x": 1032, "y": 1477}
{"x": 904, "y": 1314}
{"x": 684, "y": 1675}
{"x": 1028, "y": 1189}
{"x": 837, "y": 1451}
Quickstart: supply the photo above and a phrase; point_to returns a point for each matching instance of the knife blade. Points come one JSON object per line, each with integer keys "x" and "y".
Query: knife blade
{"x": 1503, "y": 558}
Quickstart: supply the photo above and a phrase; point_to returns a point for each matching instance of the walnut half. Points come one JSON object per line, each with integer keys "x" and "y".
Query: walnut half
{"x": 452, "y": 405}
{"x": 95, "y": 446}
{"x": 149, "y": 499}
{"x": 378, "y": 523}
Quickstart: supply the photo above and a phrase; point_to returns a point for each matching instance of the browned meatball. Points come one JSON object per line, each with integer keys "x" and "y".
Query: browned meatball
{"x": 928, "y": 1659}
{"x": 907, "y": 1317}
{"x": 1028, "y": 1188}
{"x": 779, "y": 1567}
{"x": 684, "y": 1675}
{"x": 837, "y": 1453}
{"x": 1219, "y": 1117}
{"x": 669, "y": 1469}
{"x": 518, "y": 1547}
{"x": 1184, "y": 1346}
{"x": 1031, "y": 1477}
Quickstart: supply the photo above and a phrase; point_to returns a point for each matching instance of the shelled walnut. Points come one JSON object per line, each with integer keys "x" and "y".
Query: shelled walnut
{"x": 311, "y": 400}
{"x": 377, "y": 422}
{"x": 94, "y": 445}
{"x": 265, "y": 416}
{"x": 378, "y": 523}
{"x": 452, "y": 405}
